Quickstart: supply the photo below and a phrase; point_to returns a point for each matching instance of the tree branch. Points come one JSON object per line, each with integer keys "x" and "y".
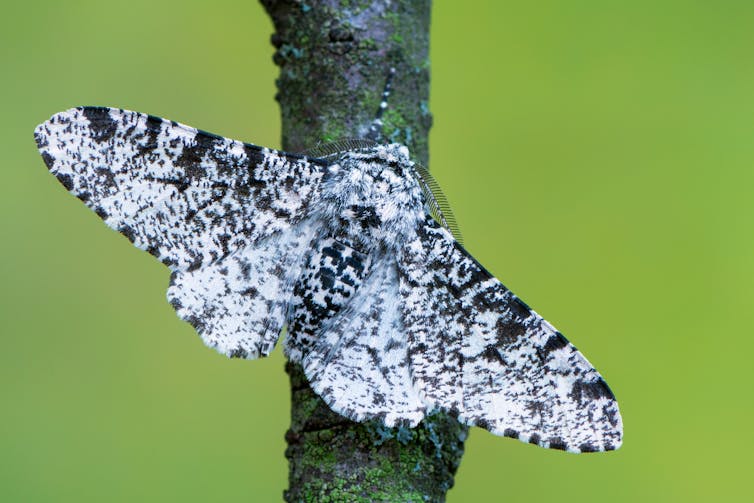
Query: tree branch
{"x": 334, "y": 57}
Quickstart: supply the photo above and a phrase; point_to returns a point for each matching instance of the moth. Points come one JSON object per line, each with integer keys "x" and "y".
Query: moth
{"x": 351, "y": 248}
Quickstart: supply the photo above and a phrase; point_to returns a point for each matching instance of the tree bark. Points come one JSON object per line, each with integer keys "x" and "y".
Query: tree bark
{"x": 334, "y": 58}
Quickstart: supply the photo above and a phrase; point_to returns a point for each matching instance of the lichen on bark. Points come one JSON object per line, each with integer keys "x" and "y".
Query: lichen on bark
{"x": 334, "y": 459}
{"x": 334, "y": 58}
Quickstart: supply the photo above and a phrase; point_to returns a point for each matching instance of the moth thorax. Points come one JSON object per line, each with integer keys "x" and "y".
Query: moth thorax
{"x": 373, "y": 195}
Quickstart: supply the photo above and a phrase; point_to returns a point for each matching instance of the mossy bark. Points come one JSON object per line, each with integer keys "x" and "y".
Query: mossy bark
{"x": 334, "y": 58}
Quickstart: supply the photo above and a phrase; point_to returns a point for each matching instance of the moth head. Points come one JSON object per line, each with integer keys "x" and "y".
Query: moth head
{"x": 395, "y": 153}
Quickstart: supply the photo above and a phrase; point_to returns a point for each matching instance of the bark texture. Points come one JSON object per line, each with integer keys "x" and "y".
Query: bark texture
{"x": 334, "y": 58}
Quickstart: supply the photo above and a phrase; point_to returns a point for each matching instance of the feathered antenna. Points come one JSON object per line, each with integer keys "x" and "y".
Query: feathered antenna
{"x": 337, "y": 147}
{"x": 436, "y": 202}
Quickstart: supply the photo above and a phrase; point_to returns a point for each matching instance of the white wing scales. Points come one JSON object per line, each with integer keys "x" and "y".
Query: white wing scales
{"x": 359, "y": 366}
{"x": 225, "y": 216}
{"x": 186, "y": 196}
{"x": 239, "y": 304}
{"x": 479, "y": 352}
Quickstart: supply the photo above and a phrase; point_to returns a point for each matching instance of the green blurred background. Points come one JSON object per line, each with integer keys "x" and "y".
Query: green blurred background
{"x": 599, "y": 158}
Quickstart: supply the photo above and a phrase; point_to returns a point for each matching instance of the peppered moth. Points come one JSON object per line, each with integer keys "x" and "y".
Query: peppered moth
{"x": 389, "y": 315}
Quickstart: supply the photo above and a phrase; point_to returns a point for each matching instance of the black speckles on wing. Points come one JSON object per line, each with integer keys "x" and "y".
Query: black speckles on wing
{"x": 359, "y": 365}
{"x": 186, "y": 196}
{"x": 238, "y": 304}
{"x": 330, "y": 278}
{"x": 477, "y": 350}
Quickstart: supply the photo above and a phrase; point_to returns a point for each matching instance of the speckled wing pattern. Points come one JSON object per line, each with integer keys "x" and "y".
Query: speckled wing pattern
{"x": 388, "y": 314}
{"x": 221, "y": 214}
{"x": 239, "y": 304}
{"x": 477, "y": 350}
{"x": 360, "y": 366}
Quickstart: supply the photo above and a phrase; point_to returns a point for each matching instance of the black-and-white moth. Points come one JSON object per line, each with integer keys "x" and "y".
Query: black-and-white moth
{"x": 388, "y": 314}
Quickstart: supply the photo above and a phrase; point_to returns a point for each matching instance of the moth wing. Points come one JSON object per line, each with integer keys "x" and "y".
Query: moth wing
{"x": 359, "y": 363}
{"x": 475, "y": 349}
{"x": 225, "y": 216}
{"x": 184, "y": 195}
{"x": 238, "y": 304}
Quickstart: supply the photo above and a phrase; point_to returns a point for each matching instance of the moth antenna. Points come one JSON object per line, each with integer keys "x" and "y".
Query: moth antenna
{"x": 375, "y": 129}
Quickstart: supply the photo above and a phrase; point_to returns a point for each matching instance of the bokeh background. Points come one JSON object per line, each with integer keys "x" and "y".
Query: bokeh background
{"x": 599, "y": 156}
